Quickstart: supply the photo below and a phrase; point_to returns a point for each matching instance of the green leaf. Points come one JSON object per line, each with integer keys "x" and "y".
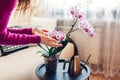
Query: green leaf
{"x": 44, "y": 53}
{"x": 59, "y": 49}
{"x": 42, "y": 47}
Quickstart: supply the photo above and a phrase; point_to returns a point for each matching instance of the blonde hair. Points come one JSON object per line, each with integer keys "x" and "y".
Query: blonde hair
{"x": 24, "y": 11}
{"x": 23, "y": 5}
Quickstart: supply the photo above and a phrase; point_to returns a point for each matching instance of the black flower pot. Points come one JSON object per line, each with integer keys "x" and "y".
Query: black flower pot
{"x": 51, "y": 64}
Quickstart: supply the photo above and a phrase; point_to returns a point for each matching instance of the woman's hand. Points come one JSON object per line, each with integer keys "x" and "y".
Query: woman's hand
{"x": 40, "y": 31}
{"x": 46, "y": 39}
{"x": 49, "y": 41}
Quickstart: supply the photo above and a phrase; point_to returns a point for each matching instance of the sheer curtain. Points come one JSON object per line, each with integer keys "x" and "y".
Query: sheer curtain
{"x": 104, "y": 48}
{"x": 94, "y": 9}
{"x": 58, "y": 9}
{"x": 104, "y": 15}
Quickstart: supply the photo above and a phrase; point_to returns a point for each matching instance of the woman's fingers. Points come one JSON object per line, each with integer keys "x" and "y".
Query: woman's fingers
{"x": 40, "y": 31}
{"x": 49, "y": 41}
{"x": 45, "y": 39}
{"x": 45, "y": 30}
{"x": 53, "y": 40}
{"x": 53, "y": 44}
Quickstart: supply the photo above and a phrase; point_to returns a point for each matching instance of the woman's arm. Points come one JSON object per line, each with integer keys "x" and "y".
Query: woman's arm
{"x": 8, "y": 38}
{"x": 30, "y": 31}
{"x": 20, "y": 30}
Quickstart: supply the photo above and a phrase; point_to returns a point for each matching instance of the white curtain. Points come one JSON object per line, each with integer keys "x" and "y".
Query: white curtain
{"x": 104, "y": 15}
{"x": 57, "y": 9}
{"x": 94, "y": 9}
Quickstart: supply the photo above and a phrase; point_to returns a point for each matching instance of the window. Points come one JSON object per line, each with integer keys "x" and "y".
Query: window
{"x": 95, "y": 9}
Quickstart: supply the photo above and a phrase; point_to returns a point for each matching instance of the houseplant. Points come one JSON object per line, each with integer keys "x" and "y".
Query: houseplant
{"x": 51, "y": 54}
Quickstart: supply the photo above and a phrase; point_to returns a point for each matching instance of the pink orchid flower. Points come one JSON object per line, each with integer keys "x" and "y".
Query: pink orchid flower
{"x": 77, "y": 12}
{"x": 86, "y": 27}
{"x": 58, "y": 35}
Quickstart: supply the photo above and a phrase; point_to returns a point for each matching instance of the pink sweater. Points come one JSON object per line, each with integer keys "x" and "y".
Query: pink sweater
{"x": 10, "y": 36}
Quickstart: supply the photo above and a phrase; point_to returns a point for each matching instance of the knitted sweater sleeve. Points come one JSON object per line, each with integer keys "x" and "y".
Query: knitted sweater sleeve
{"x": 8, "y": 38}
{"x": 20, "y": 30}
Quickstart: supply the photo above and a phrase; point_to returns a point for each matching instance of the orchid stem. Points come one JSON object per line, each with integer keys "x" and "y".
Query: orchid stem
{"x": 75, "y": 23}
{"x": 74, "y": 29}
{"x": 72, "y": 26}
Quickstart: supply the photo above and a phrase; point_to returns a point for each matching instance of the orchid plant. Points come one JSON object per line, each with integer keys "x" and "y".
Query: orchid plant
{"x": 79, "y": 21}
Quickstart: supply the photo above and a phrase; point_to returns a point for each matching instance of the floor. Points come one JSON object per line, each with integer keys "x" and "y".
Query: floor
{"x": 101, "y": 77}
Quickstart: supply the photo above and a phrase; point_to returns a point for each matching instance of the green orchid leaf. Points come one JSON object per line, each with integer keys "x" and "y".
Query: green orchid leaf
{"x": 59, "y": 49}
{"x": 43, "y": 53}
{"x": 42, "y": 47}
{"x": 51, "y": 49}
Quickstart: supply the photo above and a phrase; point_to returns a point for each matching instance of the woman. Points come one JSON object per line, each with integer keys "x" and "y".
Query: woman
{"x": 10, "y": 36}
